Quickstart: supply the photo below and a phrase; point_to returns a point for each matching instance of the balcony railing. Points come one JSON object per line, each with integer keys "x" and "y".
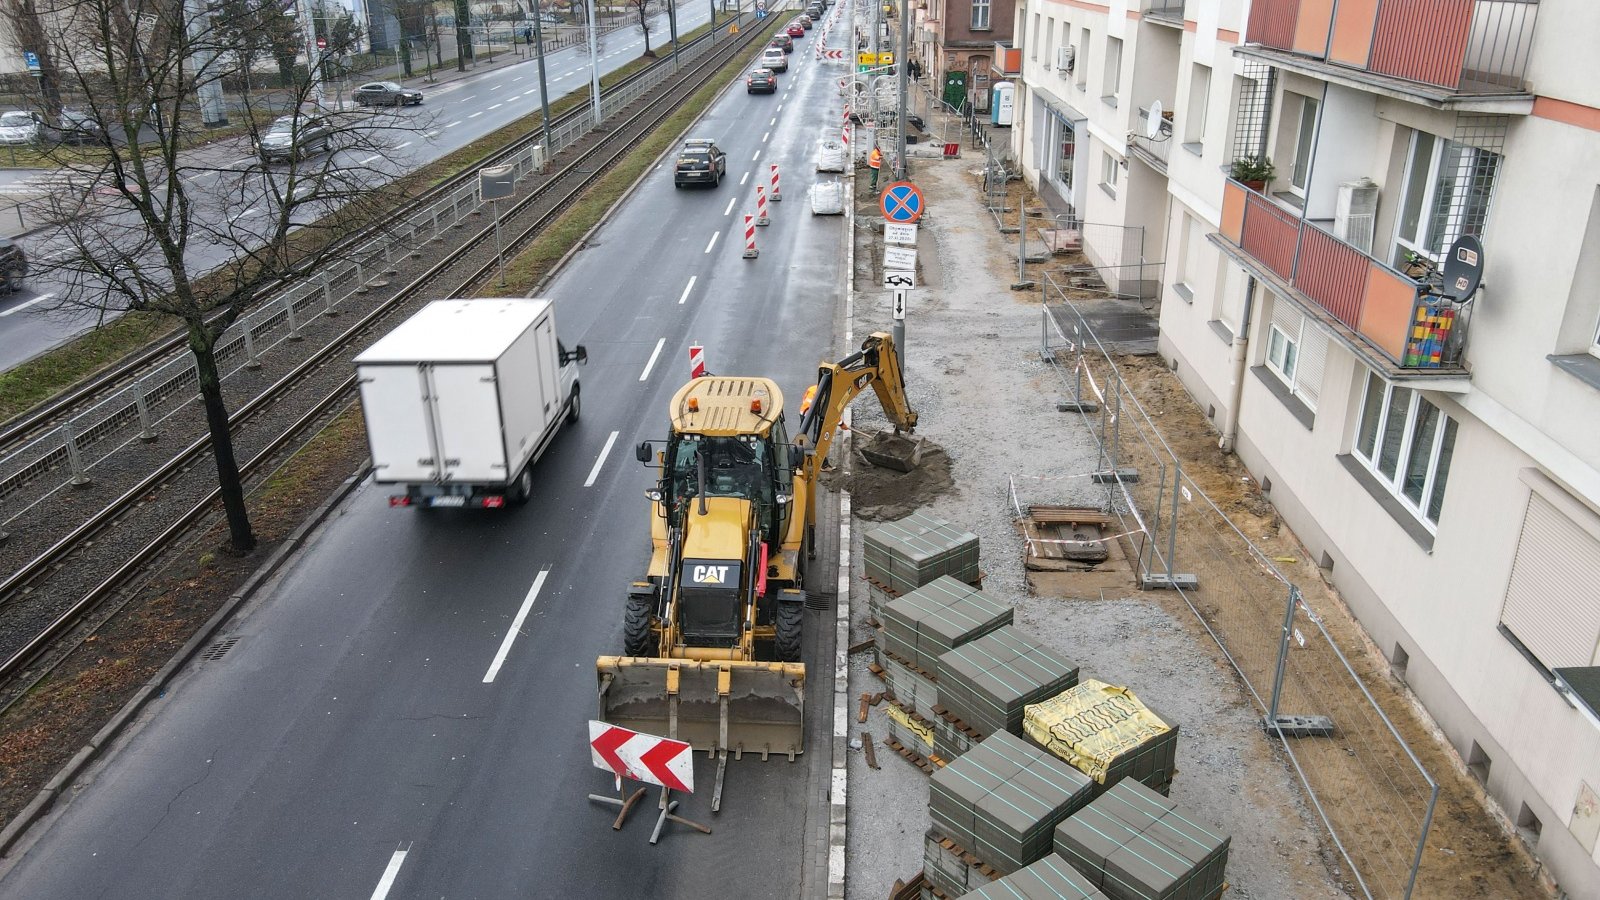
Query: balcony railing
{"x": 1377, "y": 304}
{"x": 1466, "y": 46}
{"x": 1159, "y": 146}
{"x": 1169, "y": 9}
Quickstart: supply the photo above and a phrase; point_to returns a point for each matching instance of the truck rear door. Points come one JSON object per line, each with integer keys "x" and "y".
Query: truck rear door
{"x": 398, "y": 430}
{"x": 467, "y": 416}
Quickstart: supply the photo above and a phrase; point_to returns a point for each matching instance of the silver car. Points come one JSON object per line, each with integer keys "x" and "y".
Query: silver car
{"x": 293, "y": 137}
{"x": 19, "y": 127}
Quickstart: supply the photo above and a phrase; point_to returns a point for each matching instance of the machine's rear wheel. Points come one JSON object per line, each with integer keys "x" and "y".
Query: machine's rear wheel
{"x": 786, "y": 643}
{"x": 636, "y": 630}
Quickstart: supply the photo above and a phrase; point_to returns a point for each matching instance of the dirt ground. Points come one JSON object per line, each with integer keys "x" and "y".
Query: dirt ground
{"x": 1366, "y": 786}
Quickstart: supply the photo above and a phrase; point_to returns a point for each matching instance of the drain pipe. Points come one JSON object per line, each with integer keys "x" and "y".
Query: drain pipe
{"x": 1240, "y": 355}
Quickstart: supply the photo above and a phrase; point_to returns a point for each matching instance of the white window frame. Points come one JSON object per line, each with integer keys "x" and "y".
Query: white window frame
{"x": 1283, "y": 353}
{"x": 1194, "y": 125}
{"x": 1049, "y": 44}
{"x": 1033, "y": 45}
{"x": 1080, "y": 62}
{"x": 983, "y": 6}
{"x": 1109, "y": 171}
{"x": 1371, "y": 458}
{"x": 1419, "y": 242}
{"x": 1305, "y": 136}
{"x": 1113, "y": 70}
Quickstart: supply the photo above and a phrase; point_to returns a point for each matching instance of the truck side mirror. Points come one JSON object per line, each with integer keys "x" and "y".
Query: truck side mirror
{"x": 578, "y": 354}
{"x": 642, "y": 452}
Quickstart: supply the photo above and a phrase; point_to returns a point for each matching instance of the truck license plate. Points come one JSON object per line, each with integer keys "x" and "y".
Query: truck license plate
{"x": 449, "y": 501}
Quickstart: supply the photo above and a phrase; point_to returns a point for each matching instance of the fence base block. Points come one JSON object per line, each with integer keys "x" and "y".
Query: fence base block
{"x": 1158, "y": 581}
{"x": 1127, "y": 475}
{"x": 1078, "y": 406}
{"x": 1299, "y": 726}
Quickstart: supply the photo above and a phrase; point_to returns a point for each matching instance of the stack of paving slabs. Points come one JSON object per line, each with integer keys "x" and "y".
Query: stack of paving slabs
{"x": 1051, "y": 878}
{"x": 1106, "y": 733}
{"x": 926, "y": 624}
{"x": 985, "y": 684}
{"x": 1134, "y": 844}
{"x": 902, "y": 556}
{"x": 1000, "y": 803}
{"x": 914, "y": 733}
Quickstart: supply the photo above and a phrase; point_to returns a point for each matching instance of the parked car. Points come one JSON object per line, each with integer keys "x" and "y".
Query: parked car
{"x": 13, "y": 265}
{"x": 80, "y": 127}
{"x": 795, "y": 30}
{"x": 19, "y": 126}
{"x": 783, "y": 41}
{"x": 773, "y": 59}
{"x": 386, "y": 93}
{"x": 293, "y": 137}
{"x": 761, "y": 81}
{"x": 700, "y": 161}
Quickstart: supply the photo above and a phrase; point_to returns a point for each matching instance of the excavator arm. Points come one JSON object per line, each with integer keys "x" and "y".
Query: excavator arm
{"x": 877, "y": 364}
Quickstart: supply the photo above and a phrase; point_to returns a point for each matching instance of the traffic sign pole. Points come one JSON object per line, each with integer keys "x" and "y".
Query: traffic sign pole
{"x": 899, "y": 330}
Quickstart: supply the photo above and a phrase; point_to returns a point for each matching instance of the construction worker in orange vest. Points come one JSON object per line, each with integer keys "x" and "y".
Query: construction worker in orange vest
{"x": 875, "y": 162}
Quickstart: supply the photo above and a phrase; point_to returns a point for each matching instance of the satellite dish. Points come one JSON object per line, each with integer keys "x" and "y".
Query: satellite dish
{"x": 1463, "y": 269}
{"x": 1152, "y": 124}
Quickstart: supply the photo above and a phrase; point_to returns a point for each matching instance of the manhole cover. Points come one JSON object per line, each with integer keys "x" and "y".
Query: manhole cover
{"x": 217, "y": 650}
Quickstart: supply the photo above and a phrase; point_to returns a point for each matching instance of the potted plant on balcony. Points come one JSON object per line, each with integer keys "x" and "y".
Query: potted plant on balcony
{"x": 1255, "y": 172}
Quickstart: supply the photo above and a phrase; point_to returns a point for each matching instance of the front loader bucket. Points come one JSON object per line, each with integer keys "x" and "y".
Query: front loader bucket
{"x": 742, "y": 707}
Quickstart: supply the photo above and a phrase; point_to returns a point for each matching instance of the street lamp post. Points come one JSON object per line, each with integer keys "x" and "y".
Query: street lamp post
{"x": 594, "y": 64}
{"x": 544, "y": 87}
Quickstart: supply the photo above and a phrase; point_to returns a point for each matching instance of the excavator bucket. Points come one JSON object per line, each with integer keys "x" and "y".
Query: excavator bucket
{"x": 733, "y": 705}
{"x": 888, "y": 450}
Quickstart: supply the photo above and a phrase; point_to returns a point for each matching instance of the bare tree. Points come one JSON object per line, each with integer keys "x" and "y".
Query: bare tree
{"x": 644, "y": 10}
{"x": 158, "y": 227}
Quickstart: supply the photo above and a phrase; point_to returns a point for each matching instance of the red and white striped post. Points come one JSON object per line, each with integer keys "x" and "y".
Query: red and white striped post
{"x": 750, "y": 251}
{"x": 761, "y": 205}
{"x": 777, "y": 193}
{"x": 844, "y": 138}
{"x": 697, "y": 361}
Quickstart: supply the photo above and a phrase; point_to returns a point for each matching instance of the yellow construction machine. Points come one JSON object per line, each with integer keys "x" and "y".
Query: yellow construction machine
{"x": 712, "y": 634}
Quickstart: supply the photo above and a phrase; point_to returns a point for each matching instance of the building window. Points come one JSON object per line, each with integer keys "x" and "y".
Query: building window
{"x": 1049, "y": 42}
{"x": 1066, "y": 156}
{"x": 1109, "y": 171}
{"x": 1305, "y": 138}
{"x": 1446, "y": 195}
{"x": 1081, "y": 64}
{"x": 1194, "y": 130}
{"x": 1113, "y": 70}
{"x": 1556, "y": 551}
{"x": 980, "y": 15}
{"x": 1407, "y": 443}
{"x": 1033, "y": 46}
{"x": 1192, "y": 252}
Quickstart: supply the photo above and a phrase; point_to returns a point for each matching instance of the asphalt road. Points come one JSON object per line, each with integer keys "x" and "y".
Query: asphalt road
{"x": 224, "y": 177}
{"x": 374, "y": 734}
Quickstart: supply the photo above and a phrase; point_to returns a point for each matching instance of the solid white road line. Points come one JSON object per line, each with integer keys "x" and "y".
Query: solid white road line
{"x": 389, "y": 874}
{"x": 513, "y": 631}
{"x": 731, "y": 202}
{"x": 686, "y": 289}
{"x": 713, "y": 241}
{"x": 743, "y": 178}
{"x": 604, "y": 452}
{"x": 43, "y": 297}
{"x": 654, "y": 355}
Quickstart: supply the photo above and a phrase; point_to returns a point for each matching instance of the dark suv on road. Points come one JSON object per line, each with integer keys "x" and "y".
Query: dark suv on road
{"x": 13, "y": 265}
{"x": 761, "y": 81}
{"x": 700, "y": 161}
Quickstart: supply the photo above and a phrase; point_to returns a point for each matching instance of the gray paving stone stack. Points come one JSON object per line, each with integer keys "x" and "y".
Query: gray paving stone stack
{"x": 1051, "y": 878}
{"x": 985, "y": 684}
{"x": 1108, "y": 733}
{"x": 904, "y": 555}
{"x": 950, "y": 869}
{"x": 1134, "y": 844}
{"x": 1002, "y": 800}
{"x": 924, "y": 625}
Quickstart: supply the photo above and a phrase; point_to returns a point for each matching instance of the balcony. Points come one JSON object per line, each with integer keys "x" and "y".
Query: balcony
{"x": 1153, "y": 150}
{"x": 1375, "y": 309}
{"x": 1169, "y": 11}
{"x": 1447, "y": 48}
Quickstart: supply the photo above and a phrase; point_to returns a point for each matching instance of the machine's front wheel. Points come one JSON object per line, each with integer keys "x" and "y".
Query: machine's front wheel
{"x": 636, "y": 630}
{"x": 790, "y": 618}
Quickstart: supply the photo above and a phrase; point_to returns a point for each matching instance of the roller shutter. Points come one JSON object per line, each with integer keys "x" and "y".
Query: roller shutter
{"x": 1553, "y": 601}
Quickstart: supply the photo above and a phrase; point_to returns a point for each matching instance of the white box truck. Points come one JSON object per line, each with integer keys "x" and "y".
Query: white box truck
{"x": 462, "y": 398}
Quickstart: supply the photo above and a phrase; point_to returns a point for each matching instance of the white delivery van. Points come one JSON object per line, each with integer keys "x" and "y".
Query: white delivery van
{"x": 462, "y": 398}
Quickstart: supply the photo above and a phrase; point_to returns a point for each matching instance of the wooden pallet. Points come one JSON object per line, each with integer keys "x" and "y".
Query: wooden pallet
{"x": 928, "y": 764}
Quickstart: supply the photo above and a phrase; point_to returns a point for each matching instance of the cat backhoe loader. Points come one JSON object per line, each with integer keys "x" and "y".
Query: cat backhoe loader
{"x": 712, "y": 638}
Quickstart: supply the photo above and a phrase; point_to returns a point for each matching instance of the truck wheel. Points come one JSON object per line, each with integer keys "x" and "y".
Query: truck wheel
{"x": 636, "y": 630}
{"x": 790, "y": 618}
{"x": 523, "y": 488}
{"x": 574, "y": 407}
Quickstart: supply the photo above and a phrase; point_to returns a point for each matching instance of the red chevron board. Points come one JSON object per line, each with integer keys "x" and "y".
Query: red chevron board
{"x": 642, "y": 757}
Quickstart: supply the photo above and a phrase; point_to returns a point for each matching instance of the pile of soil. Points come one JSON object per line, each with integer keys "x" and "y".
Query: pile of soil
{"x": 883, "y": 495}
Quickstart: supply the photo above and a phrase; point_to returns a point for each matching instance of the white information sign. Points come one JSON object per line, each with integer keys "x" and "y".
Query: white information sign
{"x": 900, "y": 233}
{"x": 893, "y": 278}
{"x": 899, "y": 306}
{"x": 899, "y": 258}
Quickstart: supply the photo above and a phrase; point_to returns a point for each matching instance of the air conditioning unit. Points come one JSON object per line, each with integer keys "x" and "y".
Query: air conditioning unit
{"x": 1355, "y": 216}
{"x": 1065, "y": 57}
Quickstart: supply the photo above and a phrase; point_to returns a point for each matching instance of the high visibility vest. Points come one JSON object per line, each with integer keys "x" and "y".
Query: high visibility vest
{"x": 876, "y": 159}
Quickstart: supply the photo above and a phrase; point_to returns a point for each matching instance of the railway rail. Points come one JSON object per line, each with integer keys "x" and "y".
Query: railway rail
{"x": 90, "y": 565}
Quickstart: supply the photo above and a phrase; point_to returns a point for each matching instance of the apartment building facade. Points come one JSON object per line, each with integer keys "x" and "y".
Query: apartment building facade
{"x": 1439, "y": 455}
{"x": 955, "y": 42}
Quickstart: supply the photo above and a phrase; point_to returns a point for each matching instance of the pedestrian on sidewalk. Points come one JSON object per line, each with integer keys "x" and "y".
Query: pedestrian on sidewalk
{"x": 875, "y": 162}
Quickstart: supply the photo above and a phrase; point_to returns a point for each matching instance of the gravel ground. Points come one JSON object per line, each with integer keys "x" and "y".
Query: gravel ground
{"x": 974, "y": 376}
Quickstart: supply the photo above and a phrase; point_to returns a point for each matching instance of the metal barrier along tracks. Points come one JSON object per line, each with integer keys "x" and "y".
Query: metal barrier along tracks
{"x": 458, "y": 269}
{"x": 25, "y": 425}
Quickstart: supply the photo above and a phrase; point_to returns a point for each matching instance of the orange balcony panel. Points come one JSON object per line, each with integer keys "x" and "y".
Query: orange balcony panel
{"x": 1312, "y": 26}
{"x": 1332, "y": 273}
{"x": 1422, "y": 40}
{"x": 1272, "y": 23}
{"x": 1386, "y": 314}
{"x": 1352, "y": 32}
{"x": 1233, "y": 195}
{"x": 1270, "y": 234}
